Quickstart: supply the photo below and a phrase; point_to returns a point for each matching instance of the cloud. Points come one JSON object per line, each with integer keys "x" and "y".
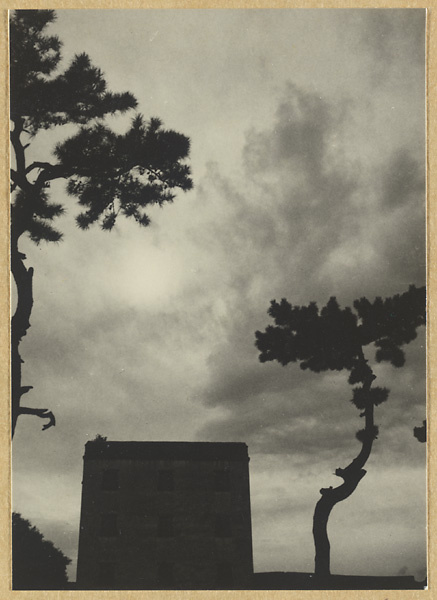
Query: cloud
{"x": 310, "y": 224}
{"x": 350, "y": 222}
{"x": 394, "y": 40}
{"x": 286, "y": 411}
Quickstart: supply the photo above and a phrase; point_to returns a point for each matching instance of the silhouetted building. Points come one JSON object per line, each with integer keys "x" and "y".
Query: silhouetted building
{"x": 165, "y": 515}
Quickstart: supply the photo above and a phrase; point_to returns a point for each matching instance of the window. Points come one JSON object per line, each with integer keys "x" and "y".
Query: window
{"x": 165, "y": 575}
{"x": 165, "y": 481}
{"x": 108, "y": 525}
{"x": 222, "y": 481}
{"x": 225, "y": 579}
{"x": 223, "y": 526}
{"x": 165, "y": 526}
{"x": 109, "y": 480}
{"x": 106, "y": 574}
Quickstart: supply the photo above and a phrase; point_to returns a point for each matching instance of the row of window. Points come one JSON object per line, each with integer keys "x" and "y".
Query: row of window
{"x": 165, "y": 526}
{"x": 165, "y": 574}
{"x": 165, "y": 480}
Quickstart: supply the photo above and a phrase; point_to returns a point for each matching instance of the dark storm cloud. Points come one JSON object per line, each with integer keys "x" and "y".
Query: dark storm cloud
{"x": 388, "y": 35}
{"x": 288, "y": 411}
{"x": 300, "y": 168}
{"x": 401, "y": 226}
{"x": 312, "y": 222}
{"x": 303, "y": 122}
{"x": 403, "y": 181}
{"x": 312, "y": 418}
{"x": 312, "y": 208}
{"x": 292, "y": 208}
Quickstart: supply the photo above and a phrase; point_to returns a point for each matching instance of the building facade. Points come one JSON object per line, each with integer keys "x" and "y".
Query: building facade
{"x": 165, "y": 515}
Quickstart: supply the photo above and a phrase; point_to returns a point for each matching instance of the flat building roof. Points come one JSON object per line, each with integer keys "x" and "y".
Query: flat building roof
{"x": 99, "y": 449}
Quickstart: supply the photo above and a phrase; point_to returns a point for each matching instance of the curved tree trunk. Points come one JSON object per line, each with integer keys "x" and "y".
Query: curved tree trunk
{"x": 351, "y": 476}
{"x": 20, "y": 322}
{"x": 330, "y": 497}
{"x": 19, "y": 325}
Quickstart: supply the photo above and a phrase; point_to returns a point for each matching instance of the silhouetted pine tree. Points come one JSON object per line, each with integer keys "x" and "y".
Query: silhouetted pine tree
{"x": 109, "y": 174}
{"x": 334, "y": 339}
{"x": 36, "y": 563}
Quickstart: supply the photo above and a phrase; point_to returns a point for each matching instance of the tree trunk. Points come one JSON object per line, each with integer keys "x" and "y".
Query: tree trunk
{"x": 20, "y": 322}
{"x": 19, "y": 325}
{"x": 322, "y": 566}
{"x": 330, "y": 497}
{"x": 351, "y": 476}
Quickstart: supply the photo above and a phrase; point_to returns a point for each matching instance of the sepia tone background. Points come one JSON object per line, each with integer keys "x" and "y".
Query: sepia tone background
{"x": 219, "y": 416}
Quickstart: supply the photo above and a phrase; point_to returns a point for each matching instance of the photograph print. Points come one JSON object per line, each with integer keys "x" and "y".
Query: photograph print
{"x": 218, "y": 267}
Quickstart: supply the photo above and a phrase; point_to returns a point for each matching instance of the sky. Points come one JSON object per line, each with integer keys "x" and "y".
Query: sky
{"x": 307, "y": 131}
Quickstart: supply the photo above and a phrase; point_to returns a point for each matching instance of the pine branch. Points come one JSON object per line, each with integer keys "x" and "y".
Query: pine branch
{"x": 38, "y": 165}
{"x": 51, "y": 173}
{"x": 42, "y": 413}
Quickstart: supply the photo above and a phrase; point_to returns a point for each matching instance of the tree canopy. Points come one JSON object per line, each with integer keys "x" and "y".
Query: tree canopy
{"x": 36, "y": 563}
{"x": 108, "y": 173}
{"x": 420, "y": 432}
{"x": 333, "y": 338}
